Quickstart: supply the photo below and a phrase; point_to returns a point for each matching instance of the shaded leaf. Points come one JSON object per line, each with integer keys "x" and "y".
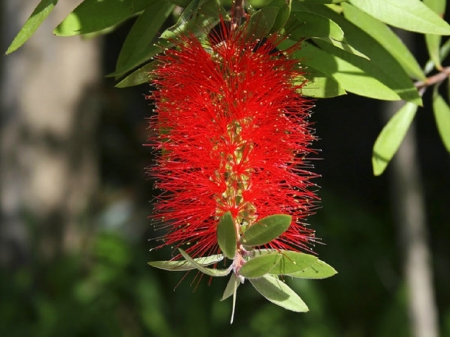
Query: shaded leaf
{"x": 284, "y": 11}
{"x": 279, "y": 293}
{"x": 226, "y": 235}
{"x": 262, "y": 22}
{"x": 139, "y": 76}
{"x": 386, "y": 38}
{"x": 360, "y": 79}
{"x": 93, "y": 16}
{"x": 185, "y": 265}
{"x": 139, "y": 44}
{"x": 266, "y": 230}
{"x": 442, "y": 116}
{"x": 207, "y": 271}
{"x": 232, "y": 285}
{"x": 382, "y": 65}
{"x": 260, "y": 265}
{"x": 231, "y": 289}
{"x": 36, "y": 18}
{"x": 318, "y": 270}
{"x": 319, "y": 85}
{"x": 390, "y": 138}
{"x": 410, "y": 15}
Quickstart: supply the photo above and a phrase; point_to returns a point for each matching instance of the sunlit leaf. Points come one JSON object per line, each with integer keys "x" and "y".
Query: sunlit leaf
{"x": 231, "y": 290}
{"x": 292, "y": 262}
{"x": 38, "y": 16}
{"x": 433, "y": 41}
{"x": 260, "y": 265}
{"x": 226, "y": 235}
{"x": 208, "y": 271}
{"x": 318, "y": 270}
{"x": 386, "y": 38}
{"x": 184, "y": 265}
{"x": 361, "y": 79}
{"x": 410, "y": 15}
{"x": 279, "y": 293}
{"x": 93, "y": 16}
{"x": 381, "y": 66}
{"x": 266, "y": 230}
{"x": 442, "y": 116}
{"x": 391, "y": 136}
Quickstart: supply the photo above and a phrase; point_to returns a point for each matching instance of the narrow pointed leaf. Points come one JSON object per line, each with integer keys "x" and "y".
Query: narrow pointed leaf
{"x": 92, "y": 16}
{"x": 207, "y": 271}
{"x": 139, "y": 44}
{"x": 410, "y": 15}
{"x": 360, "y": 79}
{"x": 386, "y": 38}
{"x": 442, "y": 116}
{"x": 139, "y": 76}
{"x": 260, "y": 265}
{"x": 381, "y": 67}
{"x": 226, "y": 235}
{"x": 391, "y": 136}
{"x": 266, "y": 230}
{"x": 318, "y": 270}
{"x": 38, "y": 16}
{"x": 279, "y": 293}
{"x": 185, "y": 265}
{"x": 232, "y": 285}
{"x": 284, "y": 10}
{"x": 262, "y": 21}
{"x": 434, "y": 41}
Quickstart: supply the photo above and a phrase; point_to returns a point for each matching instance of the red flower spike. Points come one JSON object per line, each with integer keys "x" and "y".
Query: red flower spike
{"x": 232, "y": 135}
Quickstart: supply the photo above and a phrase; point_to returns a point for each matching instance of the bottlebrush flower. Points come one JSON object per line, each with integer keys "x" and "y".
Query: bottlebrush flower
{"x": 232, "y": 132}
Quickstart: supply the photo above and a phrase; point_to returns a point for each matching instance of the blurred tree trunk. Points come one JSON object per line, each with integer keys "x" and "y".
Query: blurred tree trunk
{"x": 410, "y": 214}
{"x": 49, "y": 109}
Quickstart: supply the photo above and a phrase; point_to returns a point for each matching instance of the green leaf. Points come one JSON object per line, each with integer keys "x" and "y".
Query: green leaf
{"x": 139, "y": 76}
{"x": 361, "y": 79}
{"x": 266, "y": 230}
{"x": 318, "y": 270}
{"x": 303, "y": 25}
{"x": 410, "y": 15}
{"x": 279, "y": 293}
{"x": 204, "y": 270}
{"x": 260, "y": 265}
{"x": 38, "y": 16}
{"x": 382, "y": 67}
{"x": 262, "y": 22}
{"x": 442, "y": 116}
{"x": 231, "y": 289}
{"x": 386, "y": 38}
{"x": 391, "y": 136}
{"x": 232, "y": 285}
{"x": 226, "y": 235}
{"x": 138, "y": 46}
{"x": 184, "y": 21}
{"x": 443, "y": 53}
{"x": 185, "y": 265}
{"x": 292, "y": 262}
{"x": 93, "y": 16}
{"x": 284, "y": 10}
{"x": 319, "y": 85}
{"x": 434, "y": 41}
{"x": 181, "y": 3}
